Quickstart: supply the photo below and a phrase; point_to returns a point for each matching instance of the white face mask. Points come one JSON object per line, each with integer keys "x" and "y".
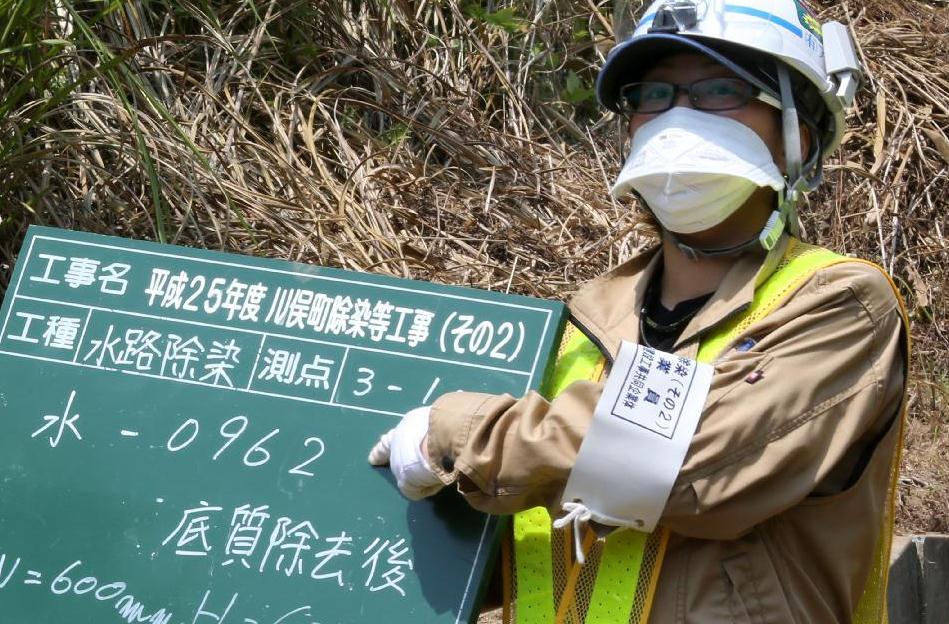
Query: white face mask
{"x": 695, "y": 169}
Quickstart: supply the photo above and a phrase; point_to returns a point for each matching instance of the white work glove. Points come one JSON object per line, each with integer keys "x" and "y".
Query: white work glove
{"x": 401, "y": 449}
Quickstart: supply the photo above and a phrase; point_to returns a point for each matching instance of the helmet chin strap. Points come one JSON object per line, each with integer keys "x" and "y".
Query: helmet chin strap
{"x": 694, "y": 253}
{"x": 797, "y": 181}
{"x": 784, "y": 217}
{"x": 768, "y": 238}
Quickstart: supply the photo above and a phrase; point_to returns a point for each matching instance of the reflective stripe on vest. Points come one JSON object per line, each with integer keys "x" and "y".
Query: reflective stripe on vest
{"x": 626, "y": 572}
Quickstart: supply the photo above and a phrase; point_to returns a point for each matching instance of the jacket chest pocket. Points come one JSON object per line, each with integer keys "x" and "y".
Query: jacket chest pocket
{"x": 732, "y": 372}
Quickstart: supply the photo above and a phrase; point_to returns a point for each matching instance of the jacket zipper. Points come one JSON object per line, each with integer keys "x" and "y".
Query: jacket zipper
{"x": 592, "y": 338}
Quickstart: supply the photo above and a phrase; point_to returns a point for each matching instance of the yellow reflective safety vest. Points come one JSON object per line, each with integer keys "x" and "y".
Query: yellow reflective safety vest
{"x": 542, "y": 581}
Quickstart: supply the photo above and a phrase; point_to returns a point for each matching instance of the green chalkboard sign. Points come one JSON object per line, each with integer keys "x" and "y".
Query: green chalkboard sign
{"x": 183, "y": 436}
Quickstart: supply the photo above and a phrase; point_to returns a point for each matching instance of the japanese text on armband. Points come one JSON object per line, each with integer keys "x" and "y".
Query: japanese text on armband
{"x": 654, "y": 389}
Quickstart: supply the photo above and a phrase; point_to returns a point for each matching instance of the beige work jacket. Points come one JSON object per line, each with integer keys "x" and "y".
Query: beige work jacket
{"x": 777, "y": 507}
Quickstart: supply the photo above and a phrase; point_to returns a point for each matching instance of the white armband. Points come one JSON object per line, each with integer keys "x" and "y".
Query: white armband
{"x": 641, "y": 430}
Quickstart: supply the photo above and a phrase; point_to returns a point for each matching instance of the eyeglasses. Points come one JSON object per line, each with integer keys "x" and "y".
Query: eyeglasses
{"x": 710, "y": 94}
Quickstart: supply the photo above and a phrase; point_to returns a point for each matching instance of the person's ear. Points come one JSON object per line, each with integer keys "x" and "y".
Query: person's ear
{"x": 806, "y": 137}
{"x": 805, "y": 141}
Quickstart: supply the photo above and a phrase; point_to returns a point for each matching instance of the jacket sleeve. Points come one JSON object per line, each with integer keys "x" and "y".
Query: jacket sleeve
{"x": 832, "y": 368}
{"x": 510, "y": 454}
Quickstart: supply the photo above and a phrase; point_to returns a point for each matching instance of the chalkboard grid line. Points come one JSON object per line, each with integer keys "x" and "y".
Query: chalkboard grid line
{"x": 82, "y": 336}
{"x": 194, "y": 382}
{"x": 342, "y": 367}
{"x": 238, "y": 265}
{"x": 464, "y": 596}
{"x": 266, "y": 334}
{"x": 260, "y": 349}
{"x": 540, "y": 347}
{"x": 29, "y": 256}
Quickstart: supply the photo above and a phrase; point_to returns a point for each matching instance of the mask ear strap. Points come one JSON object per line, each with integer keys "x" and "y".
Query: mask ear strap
{"x": 694, "y": 253}
{"x": 792, "y": 133}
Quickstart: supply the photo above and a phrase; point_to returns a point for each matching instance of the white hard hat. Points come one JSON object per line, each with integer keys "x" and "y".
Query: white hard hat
{"x": 777, "y": 45}
{"x": 742, "y": 32}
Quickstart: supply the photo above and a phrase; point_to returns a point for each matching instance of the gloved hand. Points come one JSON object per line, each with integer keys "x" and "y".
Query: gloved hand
{"x": 401, "y": 449}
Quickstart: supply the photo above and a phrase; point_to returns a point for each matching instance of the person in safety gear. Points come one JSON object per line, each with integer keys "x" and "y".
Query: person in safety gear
{"x": 779, "y": 508}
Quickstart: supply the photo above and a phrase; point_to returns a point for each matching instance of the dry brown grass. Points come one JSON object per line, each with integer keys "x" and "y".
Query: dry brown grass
{"x": 890, "y": 204}
{"x": 429, "y": 140}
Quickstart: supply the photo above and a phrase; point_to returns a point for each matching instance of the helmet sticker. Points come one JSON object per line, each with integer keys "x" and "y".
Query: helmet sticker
{"x": 808, "y": 20}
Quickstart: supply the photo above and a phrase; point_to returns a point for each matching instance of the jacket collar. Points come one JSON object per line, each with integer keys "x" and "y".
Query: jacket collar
{"x": 608, "y": 308}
